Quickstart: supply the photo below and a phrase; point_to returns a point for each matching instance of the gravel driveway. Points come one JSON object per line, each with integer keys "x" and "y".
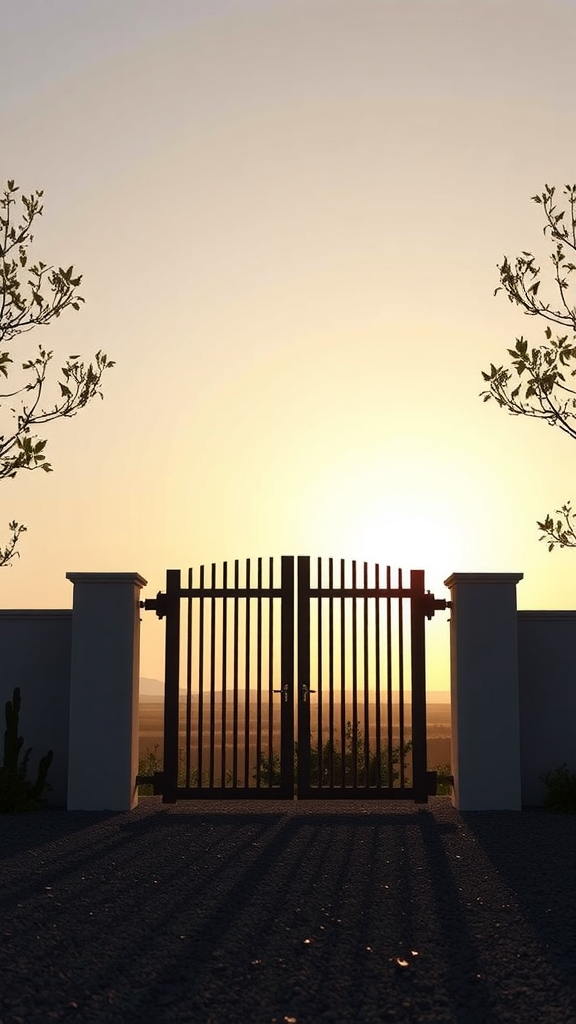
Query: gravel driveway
{"x": 275, "y": 913}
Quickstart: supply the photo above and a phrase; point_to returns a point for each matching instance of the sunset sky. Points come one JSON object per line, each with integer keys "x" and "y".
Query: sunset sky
{"x": 288, "y": 216}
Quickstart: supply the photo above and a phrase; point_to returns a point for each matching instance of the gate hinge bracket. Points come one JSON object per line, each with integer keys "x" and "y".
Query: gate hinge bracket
{"x": 434, "y": 604}
{"x": 155, "y": 604}
{"x": 156, "y": 781}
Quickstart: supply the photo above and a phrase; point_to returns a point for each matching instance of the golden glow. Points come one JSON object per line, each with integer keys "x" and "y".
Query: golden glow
{"x": 404, "y": 540}
{"x": 294, "y": 274}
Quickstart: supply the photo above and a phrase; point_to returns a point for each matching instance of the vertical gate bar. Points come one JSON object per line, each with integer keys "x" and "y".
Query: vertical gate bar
{"x": 224, "y": 667}
{"x": 259, "y": 676}
{"x": 235, "y": 681}
{"x": 389, "y": 679}
{"x": 287, "y": 678}
{"x": 212, "y": 676}
{"x": 331, "y": 672}
{"x": 189, "y": 680}
{"x": 377, "y": 645}
{"x": 201, "y": 681}
{"x": 303, "y": 699}
{"x": 319, "y": 670}
{"x": 342, "y": 673}
{"x": 270, "y": 673}
{"x": 401, "y": 678}
{"x": 417, "y": 639}
{"x": 247, "y": 683}
{"x": 354, "y": 684}
{"x": 171, "y": 686}
{"x": 366, "y": 693}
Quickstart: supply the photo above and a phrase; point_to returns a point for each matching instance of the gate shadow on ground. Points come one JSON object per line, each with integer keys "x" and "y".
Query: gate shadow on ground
{"x": 255, "y": 915}
{"x": 316, "y": 873}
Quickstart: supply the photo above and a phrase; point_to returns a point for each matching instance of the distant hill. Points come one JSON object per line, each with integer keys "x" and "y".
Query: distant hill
{"x": 151, "y": 687}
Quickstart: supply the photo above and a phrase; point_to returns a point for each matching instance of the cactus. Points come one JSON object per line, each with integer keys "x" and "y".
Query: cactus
{"x": 17, "y": 793}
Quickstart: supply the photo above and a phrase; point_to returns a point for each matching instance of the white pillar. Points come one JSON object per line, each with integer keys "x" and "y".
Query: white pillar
{"x": 104, "y": 691}
{"x": 484, "y": 691}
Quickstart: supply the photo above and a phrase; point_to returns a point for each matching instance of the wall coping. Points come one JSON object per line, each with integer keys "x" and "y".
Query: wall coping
{"x": 107, "y": 577}
{"x": 35, "y": 613}
{"x": 483, "y": 577}
{"x": 547, "y": 614}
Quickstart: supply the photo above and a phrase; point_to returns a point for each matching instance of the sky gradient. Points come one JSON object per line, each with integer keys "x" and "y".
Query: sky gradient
{"x": 288, "y": 216}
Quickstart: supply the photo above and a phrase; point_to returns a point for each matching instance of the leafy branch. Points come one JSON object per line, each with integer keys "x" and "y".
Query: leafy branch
{"x": 537, "y": 381}
{"x": 32, "y": 296}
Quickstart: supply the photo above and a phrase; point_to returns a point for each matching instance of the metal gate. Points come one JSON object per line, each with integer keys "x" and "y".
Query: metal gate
{"x": 349, "y": 722}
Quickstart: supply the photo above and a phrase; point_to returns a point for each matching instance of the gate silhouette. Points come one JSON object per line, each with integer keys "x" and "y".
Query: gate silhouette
{"x": 295, "y": 687}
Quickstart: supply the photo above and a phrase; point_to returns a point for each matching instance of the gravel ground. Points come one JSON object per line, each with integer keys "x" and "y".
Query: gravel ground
{"x": 276, "y": 913}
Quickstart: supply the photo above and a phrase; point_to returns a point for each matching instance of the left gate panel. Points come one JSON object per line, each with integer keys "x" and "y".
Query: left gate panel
{"x": 229, "y": 711}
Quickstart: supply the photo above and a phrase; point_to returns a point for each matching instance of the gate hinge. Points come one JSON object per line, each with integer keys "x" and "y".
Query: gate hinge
{"x": 156, "y": 781}
{"x": 434, "y": 604}
{"x": 155, "y": 604}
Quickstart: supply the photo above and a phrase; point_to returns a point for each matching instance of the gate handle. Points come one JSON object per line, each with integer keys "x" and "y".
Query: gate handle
{"x": 305, "y": 691}
{"x": 284, "y": 690}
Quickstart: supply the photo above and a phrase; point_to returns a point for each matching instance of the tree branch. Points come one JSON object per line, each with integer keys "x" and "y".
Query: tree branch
{"x": 45, "y": 294}
{"x": 9, "y": 552}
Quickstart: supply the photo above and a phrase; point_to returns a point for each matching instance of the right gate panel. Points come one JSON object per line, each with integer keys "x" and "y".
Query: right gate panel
{"x": 360, "y": 689}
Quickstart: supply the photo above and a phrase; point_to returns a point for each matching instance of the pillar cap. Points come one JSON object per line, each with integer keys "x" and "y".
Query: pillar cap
{"x": 475, "y": 578}
{"x": 107, "y": 577}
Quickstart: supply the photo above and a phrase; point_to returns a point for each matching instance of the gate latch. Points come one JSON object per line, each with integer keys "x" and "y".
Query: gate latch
{"x": 155, "y": 604}
{"x": 434, "y": 604}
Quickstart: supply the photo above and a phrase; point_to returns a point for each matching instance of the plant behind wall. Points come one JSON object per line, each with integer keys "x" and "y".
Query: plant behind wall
{"x": 17, "y": 793}
{"x": 561, "y": 790}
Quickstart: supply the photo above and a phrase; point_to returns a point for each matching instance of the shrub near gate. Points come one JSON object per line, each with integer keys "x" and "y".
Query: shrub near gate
{"x": 269, "y": 772}
{"x": 443, "y": 777}
{"x": 151, "y": 763}
{"x": 331, "y": 756}
{"x": 330, "y": 753}
{"x": 561, "y": 786}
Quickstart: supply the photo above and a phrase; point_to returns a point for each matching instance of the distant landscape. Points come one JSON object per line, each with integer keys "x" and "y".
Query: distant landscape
{"x": 151, "y": 730}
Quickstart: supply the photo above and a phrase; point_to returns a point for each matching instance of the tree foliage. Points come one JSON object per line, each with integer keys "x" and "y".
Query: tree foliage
{"x": 32, "y": 295}
{"x": 537, "y": 382}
